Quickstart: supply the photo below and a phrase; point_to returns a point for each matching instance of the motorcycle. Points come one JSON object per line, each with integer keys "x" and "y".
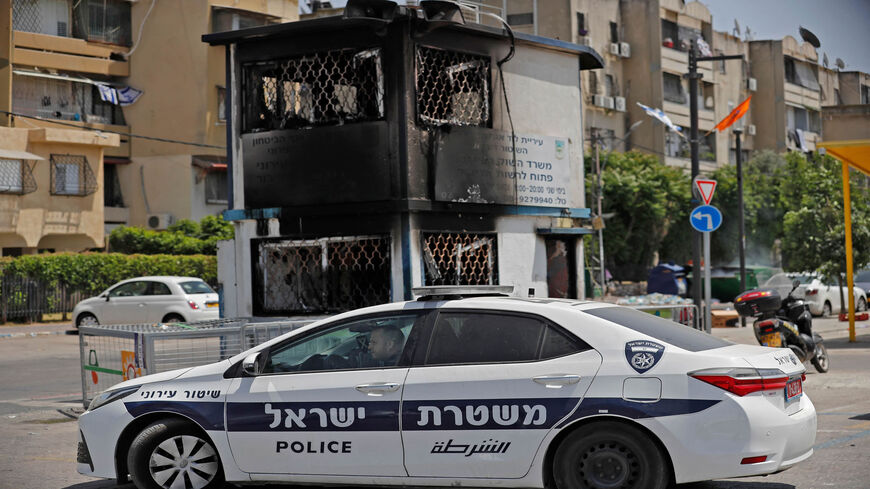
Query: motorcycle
{"x": 784, "y": 323}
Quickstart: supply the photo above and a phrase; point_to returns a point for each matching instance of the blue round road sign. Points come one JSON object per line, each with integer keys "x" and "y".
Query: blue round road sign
{"x": 705, "y": 218}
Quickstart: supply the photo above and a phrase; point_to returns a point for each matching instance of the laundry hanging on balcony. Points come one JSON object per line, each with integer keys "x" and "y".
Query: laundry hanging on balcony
{"x": 118, "y": 96}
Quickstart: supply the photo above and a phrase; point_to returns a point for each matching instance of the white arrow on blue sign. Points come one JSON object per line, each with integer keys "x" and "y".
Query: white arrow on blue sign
{"x": 705, "y": 218}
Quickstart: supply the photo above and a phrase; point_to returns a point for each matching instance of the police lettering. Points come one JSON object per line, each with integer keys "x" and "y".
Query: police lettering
{"x": 313, "y": 446}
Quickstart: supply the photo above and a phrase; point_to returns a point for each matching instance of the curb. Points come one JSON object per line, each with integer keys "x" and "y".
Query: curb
{"x": 33, "y": 334}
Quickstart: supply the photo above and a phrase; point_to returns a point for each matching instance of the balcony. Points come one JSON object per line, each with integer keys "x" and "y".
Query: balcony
{"x": 66, "y": 54}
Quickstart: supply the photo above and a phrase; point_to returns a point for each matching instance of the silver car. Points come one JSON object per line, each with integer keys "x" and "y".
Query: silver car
{"x": 150, "y": 300}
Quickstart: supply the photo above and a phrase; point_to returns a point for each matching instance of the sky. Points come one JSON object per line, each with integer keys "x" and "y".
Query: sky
{"x": 840, "y": 25}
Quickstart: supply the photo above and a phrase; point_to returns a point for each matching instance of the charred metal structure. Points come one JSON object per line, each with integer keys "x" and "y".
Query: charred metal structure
{"x": 395, "y": 147}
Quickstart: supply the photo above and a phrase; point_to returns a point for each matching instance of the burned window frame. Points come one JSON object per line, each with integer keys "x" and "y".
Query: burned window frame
{"x": 433, "y": 274}
{"x": 262, "y": 114}
{"x": 426, "y": 116}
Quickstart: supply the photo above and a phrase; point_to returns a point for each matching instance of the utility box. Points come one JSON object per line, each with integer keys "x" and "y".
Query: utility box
{"x": 398, "y": 147}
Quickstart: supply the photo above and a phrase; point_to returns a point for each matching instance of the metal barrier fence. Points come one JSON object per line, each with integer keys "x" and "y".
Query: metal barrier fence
{"x": 24, "y": 298}
{"x": 685, "y": 314}
{"x": 111, "y": 354}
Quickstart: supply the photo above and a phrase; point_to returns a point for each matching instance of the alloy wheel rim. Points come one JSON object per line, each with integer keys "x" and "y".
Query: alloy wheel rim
{"x": 183, "y": 462}
{"x": 88, "y": 321}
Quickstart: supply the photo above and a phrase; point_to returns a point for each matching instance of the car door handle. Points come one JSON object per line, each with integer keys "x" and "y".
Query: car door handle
{"x": 556, "y": 380}
{"x": 378, "y": 389}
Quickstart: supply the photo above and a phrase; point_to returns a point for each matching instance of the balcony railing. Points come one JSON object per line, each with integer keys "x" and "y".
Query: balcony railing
{"x": 106, "y": 21}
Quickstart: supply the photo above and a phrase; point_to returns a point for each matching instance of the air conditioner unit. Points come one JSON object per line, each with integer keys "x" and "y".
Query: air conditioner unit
{"x": 619, "y": 103}
{"x": 752, "y": 84}
{"x": 709, "y": 103}
{"x": 603, "y": 101}
{"x": 625, "y": 49}
{"x": 160, "y": 221}
{"x": 750, "y": 129}
{"x": 584, "y": 41}
{"x": 614, "y": 48}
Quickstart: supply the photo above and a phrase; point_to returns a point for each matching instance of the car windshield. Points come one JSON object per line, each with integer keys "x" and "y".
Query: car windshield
{"x": 863, "y": 276}
{"x": 803, "y": 279}
{"x": 665, "y": 330}
{"x": 196, "y": 287}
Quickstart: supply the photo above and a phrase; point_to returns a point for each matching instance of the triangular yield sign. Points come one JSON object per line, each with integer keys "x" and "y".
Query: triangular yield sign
{"x": 706, "y": 187}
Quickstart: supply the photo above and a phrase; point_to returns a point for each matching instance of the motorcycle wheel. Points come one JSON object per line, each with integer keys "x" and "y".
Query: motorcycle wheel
{"x": 820, "y": 360}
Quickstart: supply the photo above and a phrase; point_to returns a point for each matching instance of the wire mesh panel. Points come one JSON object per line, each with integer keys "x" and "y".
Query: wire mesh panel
{"x": 460, "y": 259}
{"x": 452, "y": 88}
{"x": 328, "y": 274}
{"x": 41, "y": 16}
{"x": 16, "y": 177}
{"x": 62, "y": 99}
{"x": 72, "y": 175}
{"x": 320, "y": 89}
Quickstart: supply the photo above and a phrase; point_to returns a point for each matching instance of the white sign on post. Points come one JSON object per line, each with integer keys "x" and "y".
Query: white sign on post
{"x": 706, "y": 188}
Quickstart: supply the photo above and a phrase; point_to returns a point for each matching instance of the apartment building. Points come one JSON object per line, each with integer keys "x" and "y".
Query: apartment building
{"x": 62, "y": 53}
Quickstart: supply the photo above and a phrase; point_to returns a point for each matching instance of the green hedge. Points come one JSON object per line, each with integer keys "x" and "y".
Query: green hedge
{"x": 185, "y": 237}
{"x": 94, "y": 272}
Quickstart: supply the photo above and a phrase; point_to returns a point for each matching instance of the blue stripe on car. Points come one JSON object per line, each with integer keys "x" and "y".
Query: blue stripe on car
{"x": 209, "y": 415}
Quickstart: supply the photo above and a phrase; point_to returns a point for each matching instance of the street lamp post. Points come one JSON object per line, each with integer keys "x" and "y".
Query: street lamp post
{"x": 693, "y": 76}
{"x": 741, "y": 223}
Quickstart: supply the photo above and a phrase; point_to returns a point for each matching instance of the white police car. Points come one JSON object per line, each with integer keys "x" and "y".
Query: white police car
{"x": 448, "y": 391}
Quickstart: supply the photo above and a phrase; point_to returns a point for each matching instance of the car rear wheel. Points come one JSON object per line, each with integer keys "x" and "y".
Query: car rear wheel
{"x": 862, "y": 305}
{"x": 826, "y": 309}
{"x": 173, "y": 318}
{"x": 171, "y": 454}
{"x": 86, "y": 319}
{"x": 609, "y": 455}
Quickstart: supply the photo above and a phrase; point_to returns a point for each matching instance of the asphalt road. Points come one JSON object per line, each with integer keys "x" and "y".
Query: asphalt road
{"x": 40, "y": 397}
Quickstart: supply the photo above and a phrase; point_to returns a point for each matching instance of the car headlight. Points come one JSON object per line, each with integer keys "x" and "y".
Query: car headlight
{"x": 111, "y": 396}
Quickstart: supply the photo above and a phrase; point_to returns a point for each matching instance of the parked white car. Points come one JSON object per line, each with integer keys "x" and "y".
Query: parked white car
{"x": 447, "y": 391}
{"x": 150, "y": 300}
{"x": 823, "y": 295}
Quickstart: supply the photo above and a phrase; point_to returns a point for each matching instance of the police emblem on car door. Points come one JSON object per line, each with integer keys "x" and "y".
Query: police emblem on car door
{"x": 326, "y": 403}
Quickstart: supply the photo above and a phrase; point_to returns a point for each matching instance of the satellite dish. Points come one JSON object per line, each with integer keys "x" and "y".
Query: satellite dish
{"x": 736, "y": 30}
{"x": 809, "y": 37}
{"x": 840, "y": 64}
{"x": 747, "y": 35}
{"x": 825, "y": 59}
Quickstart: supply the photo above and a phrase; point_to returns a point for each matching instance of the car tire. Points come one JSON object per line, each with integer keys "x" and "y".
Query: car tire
{"x": 173, "y": 448}
{"x": 609, "y": 455}
{"x": 86, "y": 319}
{"x": 826, "y": 309}
{"x": 821, "y": 360}
{"x": 173, "y": 318}
{"x": 862, "y": 305}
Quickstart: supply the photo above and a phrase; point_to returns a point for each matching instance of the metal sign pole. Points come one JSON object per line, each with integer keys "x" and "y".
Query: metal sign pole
{"x": 708, "y": 289}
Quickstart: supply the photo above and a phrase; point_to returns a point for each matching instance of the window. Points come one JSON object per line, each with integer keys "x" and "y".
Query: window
{"x": 802, "y": 74}
{"x": 376, "y": 342}
{"x": 221, "y": 104}
{"x": 216, "y": 187}
{"x": 112, "y": 187}
{"x": 865, "y": 94}
{"x": 196, "y": 287}
{"x": 677, "y": 146}
{"x": 803, "y": 119}
{"x": 130, "y": 289}
{"x": 102, "y": 20}
{"x": 223, "y": 19}
{"x": 41, "y": 16}
{"x": 72, "y": 175}
{"x": 614, "y": 32}
{"x": 606, "y": 138}
{"x": 159, "y": 288}
{"x": 661, "y": 329}
{"x": 609, "y": 86}
{"x": 482, "y": 337}
{"x": 837, "y": 99}
{"x": 581, "y": 24}
{"x": 11, "y": 176}
{"x": 527, "y": 18}
{"x": 670, "y": 34}
{"x": 593, "y": 82}
{"x": 452, "y": 88}
{"x": 460, "y": 259}
{"x": 673, "y": 88}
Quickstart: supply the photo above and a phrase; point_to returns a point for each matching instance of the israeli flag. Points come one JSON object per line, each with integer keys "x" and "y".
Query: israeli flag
{"x": 662, "y": 117}
{"x": 108, "y": 94}
{"x": 128, "y": 95}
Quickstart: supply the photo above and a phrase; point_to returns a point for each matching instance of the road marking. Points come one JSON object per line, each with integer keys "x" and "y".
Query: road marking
{"x": 840, "y": 441}
{"x": 865, "y": 424}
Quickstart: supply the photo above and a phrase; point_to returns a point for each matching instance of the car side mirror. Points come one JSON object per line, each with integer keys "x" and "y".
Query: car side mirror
{"x": 253, "y": 364}
{"x": 107, "y": 297}
{"x": 795, "y": 283}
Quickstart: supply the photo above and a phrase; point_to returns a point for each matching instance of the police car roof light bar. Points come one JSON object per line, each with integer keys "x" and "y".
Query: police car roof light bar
{"x": 444, "y": 292}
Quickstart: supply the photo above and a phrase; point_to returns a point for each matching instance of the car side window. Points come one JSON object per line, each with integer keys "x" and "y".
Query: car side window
{"x": 557, "y": 343}
{"x": 474, "y": 337}
{"x": 130, "y": 289}
{"x": 159, "y": 288}
{"x": 374, "y": 342}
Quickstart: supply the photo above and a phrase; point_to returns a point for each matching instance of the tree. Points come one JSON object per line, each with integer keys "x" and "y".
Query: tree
{"x": 185, "y": 237}
{"x": 646, "y": 198}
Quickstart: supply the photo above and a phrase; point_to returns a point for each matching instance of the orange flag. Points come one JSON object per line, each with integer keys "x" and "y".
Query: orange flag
{"x": 731, "y": 118}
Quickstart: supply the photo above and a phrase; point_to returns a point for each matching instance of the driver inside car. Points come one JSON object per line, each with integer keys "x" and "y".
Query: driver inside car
{"x": 384, "y": 347}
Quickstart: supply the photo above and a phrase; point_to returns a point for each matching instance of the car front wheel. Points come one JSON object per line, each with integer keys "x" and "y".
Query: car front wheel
{"x": 172, "y": 454}
{"x": 86, "y": 319}
{"x": 609, "y": 455}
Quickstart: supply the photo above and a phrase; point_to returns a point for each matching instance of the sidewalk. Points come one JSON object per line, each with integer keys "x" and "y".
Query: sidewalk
{"x": 829, "y": 328}
{"x": 11, "y": 330}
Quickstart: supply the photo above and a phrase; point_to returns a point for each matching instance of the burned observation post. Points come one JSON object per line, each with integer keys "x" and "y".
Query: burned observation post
{"x": 396, "y": 147}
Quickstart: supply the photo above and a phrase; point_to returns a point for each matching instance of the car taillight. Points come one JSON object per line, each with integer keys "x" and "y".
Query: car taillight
{"x": 753, "y": 460}
{"x": 192, "y": 305}
{"x": 743, "y": 380}
{"x": 812, "y": 291}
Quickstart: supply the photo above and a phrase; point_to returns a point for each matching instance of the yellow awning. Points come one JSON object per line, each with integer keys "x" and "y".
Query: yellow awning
{"x": 854, "y": 153}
